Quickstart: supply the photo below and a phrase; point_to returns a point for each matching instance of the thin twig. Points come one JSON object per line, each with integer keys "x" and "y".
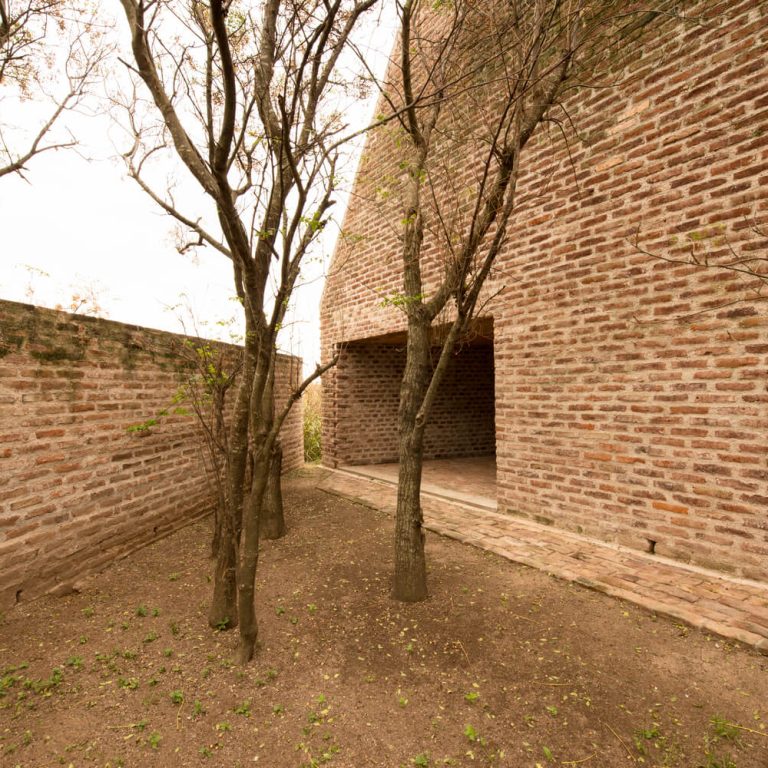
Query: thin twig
{"x": 576, "y": 762}
{"x": 629, "y": 752}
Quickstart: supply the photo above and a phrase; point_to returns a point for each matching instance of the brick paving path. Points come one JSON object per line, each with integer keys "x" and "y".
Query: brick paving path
{"x": 733, "y": 608}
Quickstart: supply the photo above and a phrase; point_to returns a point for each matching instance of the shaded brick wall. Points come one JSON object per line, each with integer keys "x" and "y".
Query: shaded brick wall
{"x": 77, "y": 489}
{"x": 631, "y": 393}
{"x": 368, "y": 394}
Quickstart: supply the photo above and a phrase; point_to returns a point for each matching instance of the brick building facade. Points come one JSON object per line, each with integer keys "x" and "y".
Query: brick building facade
{"x": 78, "y": 487}
{"x": 627, "y": 396}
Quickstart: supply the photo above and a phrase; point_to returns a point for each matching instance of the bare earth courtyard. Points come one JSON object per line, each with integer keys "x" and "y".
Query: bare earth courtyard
{"x": 503, "y": 665}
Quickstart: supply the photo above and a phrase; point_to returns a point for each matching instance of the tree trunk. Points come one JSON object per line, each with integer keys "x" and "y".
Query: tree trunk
{"x": 272, "y": 519}
{"x": 410, "y": 583}
{"x": 223, "y": 613}
{"x": 249, "y": 559}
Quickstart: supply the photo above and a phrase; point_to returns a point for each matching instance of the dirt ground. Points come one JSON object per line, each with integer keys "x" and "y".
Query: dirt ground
{"x": 503, "y": 665}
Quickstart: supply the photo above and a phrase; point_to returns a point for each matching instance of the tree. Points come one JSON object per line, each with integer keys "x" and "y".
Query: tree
{"x": 246, "y": 96}
{"x": 42, "y": 41}
{"x": 477, "y": 83}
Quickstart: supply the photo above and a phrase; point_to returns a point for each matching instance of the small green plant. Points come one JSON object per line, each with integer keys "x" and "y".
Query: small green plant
{"x": 154, "y": 739}
{"x": 313, "y": 424}
{"x": 714, "y": 761}
{"x": 173, "y": 577}
{"x": 279, "y": 610}
{"x": 421, "y": 760}
{"x": 723, "y": 729}
{"x": 167, "y": 652}
{"x": 151, "y": 637}
{"x": 278, "y": 709}
{"x": 644, "y": 735}
{"x": 470, "y": 732}
{"x": 129, "y": 683}
{"x": 552, "y": 710}
{"x": 177, "y": 697}
{"x": 312, "y": 608}
{"x": 223, "y": 727}
{"x": 142, "y": 610}
{"x": 205, "y": 752}
{"x": 198, "y": 709}
{"x": 88, "y": 612}
{"x": 175, "y": 631}
{"x": 471, "y": 697}
{"x": 74, "y": 661}
{"x": 243, "y": 709}
{"x": 548, "y": 753}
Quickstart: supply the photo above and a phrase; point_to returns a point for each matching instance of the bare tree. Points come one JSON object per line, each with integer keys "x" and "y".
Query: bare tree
{"x": 477, "y": 81}
{"x": 246, "y": 96}
{"x": 50, "y": 53}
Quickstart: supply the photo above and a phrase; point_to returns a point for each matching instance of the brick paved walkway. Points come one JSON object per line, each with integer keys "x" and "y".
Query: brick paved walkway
{"x": 733, "y": 608}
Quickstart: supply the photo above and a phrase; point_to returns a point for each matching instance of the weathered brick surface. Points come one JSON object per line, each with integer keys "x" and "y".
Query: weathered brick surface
{"x": 77, "y": 489}
{"x": 631, "y": 400}
{"x": 369, "y": 393}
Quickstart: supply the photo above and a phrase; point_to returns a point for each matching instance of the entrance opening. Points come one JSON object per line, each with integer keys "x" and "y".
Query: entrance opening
{"x": 460, "y": 440}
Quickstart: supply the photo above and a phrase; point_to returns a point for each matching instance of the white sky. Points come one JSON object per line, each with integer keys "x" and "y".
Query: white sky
{"x": 78, "y": 223}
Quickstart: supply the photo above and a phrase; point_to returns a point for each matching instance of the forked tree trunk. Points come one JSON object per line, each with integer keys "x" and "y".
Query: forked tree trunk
{"x": 272, "y": 519}
{"x": 410, "y": 582}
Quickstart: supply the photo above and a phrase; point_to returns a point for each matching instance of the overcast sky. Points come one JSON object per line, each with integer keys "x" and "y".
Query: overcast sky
{"x": 76, "y": 224}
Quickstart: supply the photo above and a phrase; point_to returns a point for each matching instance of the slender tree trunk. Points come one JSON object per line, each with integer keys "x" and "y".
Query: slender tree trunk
{"x": 261, "y": 414}
{"x": 410, "y": 583}
{"x": 223, "y": 613}
{"x": 249, "y": 559}
{"x": 272, "y": 519}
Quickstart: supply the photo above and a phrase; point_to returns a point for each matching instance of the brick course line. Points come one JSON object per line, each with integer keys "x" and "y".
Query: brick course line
{"x": 736, "y": 609}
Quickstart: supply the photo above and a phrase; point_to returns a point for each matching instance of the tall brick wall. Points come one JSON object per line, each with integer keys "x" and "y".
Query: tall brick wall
{"x": 368, "y": 393}
{"x": 77, "y": 489}
{"x": 631, "y": 393}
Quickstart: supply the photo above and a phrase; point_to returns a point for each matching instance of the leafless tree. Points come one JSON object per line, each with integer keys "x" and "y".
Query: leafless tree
{"x": 246, "y": 95}
{"x": 50, "y": 54}
{"x": 476, "y": 83}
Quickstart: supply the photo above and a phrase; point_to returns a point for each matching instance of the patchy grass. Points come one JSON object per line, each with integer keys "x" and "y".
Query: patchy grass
{"x": 503, "y": 665}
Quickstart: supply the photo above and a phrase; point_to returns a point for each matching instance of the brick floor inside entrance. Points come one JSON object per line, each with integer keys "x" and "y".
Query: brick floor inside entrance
{"x": 459, "y": 501}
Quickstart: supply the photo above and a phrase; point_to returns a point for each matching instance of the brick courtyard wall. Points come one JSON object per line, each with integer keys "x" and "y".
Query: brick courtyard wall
{"x": 77, "y": 489}
{"x": 631, "y": 392}
{"x": 368, "y": 395}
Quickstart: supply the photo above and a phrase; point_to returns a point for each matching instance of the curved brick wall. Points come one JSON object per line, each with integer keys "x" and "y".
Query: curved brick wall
{"x": 77, "y": 489}
{"x": 631, "y": 400}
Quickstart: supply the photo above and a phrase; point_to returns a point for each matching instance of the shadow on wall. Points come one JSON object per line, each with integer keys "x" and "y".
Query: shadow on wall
{"x": 368, "y": 380}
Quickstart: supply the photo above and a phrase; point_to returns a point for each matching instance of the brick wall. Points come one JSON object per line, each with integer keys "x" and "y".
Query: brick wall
{"x": 368, "y": 395}
{"x": 631, "y": 392}
{"x": 77, "y": 489}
